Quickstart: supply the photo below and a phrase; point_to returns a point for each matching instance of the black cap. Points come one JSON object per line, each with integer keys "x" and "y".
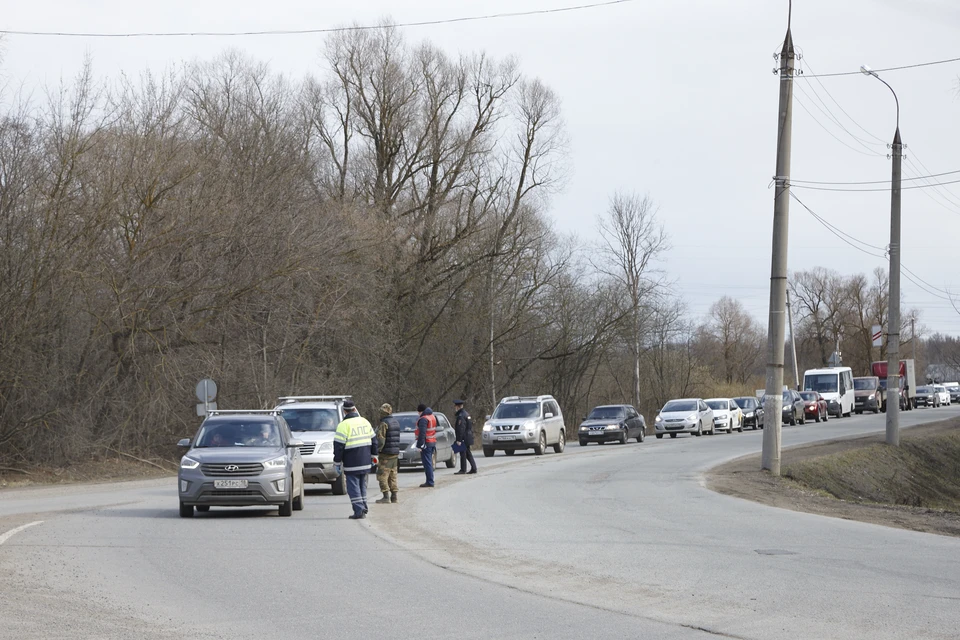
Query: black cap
{"x": 421, "y": 408}
{"x": 348, "y": 405}
{"x": 458, "y": 402}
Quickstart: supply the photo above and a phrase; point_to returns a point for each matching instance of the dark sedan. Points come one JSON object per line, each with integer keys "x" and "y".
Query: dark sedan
{"x": 927, "y": 397}
{"x": 410, "y": 456}
{"x": 612, "y": 423}
{"x": 793, "y": 408}
{"x": 752, "y": 411}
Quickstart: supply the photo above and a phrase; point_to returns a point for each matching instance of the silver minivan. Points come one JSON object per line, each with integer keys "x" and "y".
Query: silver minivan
{"x": 524, "y": 422}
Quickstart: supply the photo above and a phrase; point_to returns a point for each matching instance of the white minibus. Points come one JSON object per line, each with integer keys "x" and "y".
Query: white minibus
{"x": 835, "y": 384}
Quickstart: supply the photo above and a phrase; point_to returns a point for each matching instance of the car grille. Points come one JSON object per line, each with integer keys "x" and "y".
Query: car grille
{"x": 242, "y": 469}
{"x": 307, "y": 449}
{"x": 508, "y": 427}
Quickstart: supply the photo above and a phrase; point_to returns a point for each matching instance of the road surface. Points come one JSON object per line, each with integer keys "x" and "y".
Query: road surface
{"x": 599, "y": 542}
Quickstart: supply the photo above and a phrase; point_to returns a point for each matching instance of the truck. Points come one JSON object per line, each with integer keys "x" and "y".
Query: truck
{"x": 908, "y": 380}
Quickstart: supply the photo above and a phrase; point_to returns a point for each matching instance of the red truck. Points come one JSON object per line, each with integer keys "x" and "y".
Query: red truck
{"x": 908, "y": 381}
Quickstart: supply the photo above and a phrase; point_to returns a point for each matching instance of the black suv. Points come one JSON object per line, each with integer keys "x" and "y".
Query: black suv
{"x": 752, "y": 411}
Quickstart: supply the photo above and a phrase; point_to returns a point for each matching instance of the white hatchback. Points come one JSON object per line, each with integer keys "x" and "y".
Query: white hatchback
{"x": 727, "y": 415}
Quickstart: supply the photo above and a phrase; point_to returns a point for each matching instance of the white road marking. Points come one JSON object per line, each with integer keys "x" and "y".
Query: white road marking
{"x": 9, "y": 534}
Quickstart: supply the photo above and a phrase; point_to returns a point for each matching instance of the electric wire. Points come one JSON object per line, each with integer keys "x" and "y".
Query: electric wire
{"x": 287, "y": 32}
{"x": 945, "y": 193}
{"x": 915, "y": 186}
{"x": 899, "y": 68}
{"x": 830, "y": 133}
{"x": 866, "y": 182}
{"x": 851, "y": 118}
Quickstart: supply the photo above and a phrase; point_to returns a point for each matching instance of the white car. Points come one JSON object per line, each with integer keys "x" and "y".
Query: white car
{"x": 727, "y": 416}
{"x": 684, "y": 415}
{"x": 943, "y": 393}
{"x": 313, "y": 421}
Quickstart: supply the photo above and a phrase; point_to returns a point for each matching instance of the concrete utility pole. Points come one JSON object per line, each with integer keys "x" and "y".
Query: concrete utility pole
{"x": 793, "y": 342}
{"x": 913, "y": 338}
{"x": 893, "y": 313}
{"x": 773, "y": 404}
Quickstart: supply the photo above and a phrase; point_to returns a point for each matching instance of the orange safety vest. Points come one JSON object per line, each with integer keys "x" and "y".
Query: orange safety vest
{"x": 431, "y": 435}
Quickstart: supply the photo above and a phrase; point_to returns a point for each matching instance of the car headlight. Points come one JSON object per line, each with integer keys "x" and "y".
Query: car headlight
{"x": 692, "y": 418}
{"x": 612, "y": 426}
{"x": 276, "y": 463}
{"x": 188, "y": 463}
{"x": 659, "y": 418}
{"x": 325, "y": 446}
{"x": 487, "y": 426}
{"x": 584, "y": 428}
{"x": 748, "y": 414}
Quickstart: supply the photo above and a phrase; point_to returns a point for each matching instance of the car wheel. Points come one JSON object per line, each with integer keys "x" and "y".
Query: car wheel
{"x": 488, "y": 452}
{"x": 641, "y": 435}
{"x": 186, "y": 510}
{"x": 730, "y": 427}
{"x": 452, "y": 462}
{"x": 509, "y": 452}
{"x": 623, "y": 437}
{"x": 817, "y": 418}
{"x": 793, "y": 418}
{"x": 339, "y": 485}
{"x": 286, "y": 509}
{"x": 672, "y": 435}
{"x": 803, "y": 417}
{"x": 583, "y": 443}
{"x": 541, "y": 444}
{"x": 562, "y": 443}
{"x": 298, "y": 501}
{"x": 699, "y": 431}
{"x": 203, "y": 508}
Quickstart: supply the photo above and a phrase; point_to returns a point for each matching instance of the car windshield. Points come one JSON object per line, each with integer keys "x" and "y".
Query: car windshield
{"x": 408, "y": 422}
{"x": 924, "y": 390}
{"x": 509, "y": 410}
{"x": 721, "y": 405}
{"x": 238, "y": 433}
{"x": 606, "y": 413}
{"x": 822, "y": 382}
{"x": 311, "y": 419}
{"x": 864, "y": 384}
{"x": 809, "y": 396}
{"x": 746, "y": 403}
{"x": 680, "y": 405}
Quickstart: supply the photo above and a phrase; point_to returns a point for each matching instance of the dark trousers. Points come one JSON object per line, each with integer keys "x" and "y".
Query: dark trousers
{"x": 357, "y": 490}
{"x": 467, "y": 456}
{"x": 426, "y": 456}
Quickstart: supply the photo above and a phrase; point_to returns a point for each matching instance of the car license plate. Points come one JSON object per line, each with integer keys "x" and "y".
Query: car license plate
{"x": 229, "y": 484}
{"x": 596, "y": 432}
{"x": 501, "y": 438}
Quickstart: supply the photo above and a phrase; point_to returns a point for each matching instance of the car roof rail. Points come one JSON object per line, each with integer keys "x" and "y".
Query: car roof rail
{"x": 269, "y": 412}
{"x": 526, "y": 398}
{"x": 312, "y": 398}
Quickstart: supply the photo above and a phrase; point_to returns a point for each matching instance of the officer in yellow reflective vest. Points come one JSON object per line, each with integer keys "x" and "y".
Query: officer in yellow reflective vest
{"x": 354, "y": 452}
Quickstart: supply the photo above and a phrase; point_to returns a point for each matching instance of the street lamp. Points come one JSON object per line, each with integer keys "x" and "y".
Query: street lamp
{"x": 893, "y": 313}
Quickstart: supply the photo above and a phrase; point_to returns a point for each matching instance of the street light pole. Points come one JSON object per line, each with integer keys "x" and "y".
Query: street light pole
{"x": 893, "y": 313}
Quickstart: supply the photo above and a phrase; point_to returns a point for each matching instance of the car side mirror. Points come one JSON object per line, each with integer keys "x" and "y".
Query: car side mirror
{"x": 488, "y": 417}
{"x": 184, "y": 443}
{"x": 548, "y": 415}
{"x": 295, "y": 444}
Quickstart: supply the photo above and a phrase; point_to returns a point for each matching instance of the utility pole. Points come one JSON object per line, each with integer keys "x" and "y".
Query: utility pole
{"x": 913, "y": 338}
{"x": 893, "y": 312}
{"x": 773, "y": 404}
{"x": 893, "y": 333}
{"x": 793, "y": 342}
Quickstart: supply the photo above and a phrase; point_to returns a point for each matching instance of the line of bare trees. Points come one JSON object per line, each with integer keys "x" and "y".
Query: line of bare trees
{"x": 379, "y": 230}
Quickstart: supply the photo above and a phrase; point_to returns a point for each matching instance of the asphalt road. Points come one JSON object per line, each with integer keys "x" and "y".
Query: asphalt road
{"x": 599, "y": 542}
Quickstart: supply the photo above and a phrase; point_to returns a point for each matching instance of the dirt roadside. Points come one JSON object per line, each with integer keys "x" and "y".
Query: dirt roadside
{"x": 99, "y": 471}
{"x": 742, "y": 478}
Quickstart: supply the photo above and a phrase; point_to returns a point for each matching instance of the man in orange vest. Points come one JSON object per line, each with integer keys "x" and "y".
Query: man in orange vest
{"x": 427, "y": 440}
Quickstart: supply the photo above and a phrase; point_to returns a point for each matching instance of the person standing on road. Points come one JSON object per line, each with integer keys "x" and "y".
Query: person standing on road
{"x": 388, "y": 437}
{"x": 354, "y": 450}
{"x": 427, "y": 440}
{"x": 464, "y": 431}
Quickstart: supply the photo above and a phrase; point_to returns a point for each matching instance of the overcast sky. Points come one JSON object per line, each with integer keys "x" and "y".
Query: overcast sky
{"x": 673, "y": 98}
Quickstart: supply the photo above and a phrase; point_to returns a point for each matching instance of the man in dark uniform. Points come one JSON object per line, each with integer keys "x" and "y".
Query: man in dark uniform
{"x": 388, "y": 436}
{"x": 464, "y": 431}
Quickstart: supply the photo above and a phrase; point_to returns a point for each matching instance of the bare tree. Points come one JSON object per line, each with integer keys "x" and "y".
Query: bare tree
{"x": 631, "y": 240}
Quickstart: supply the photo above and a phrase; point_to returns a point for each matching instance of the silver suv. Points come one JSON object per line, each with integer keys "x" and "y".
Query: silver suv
{"x": 524, "y": 422}
{"x": 314, "y": 420}
{"x": 241, "y": 459}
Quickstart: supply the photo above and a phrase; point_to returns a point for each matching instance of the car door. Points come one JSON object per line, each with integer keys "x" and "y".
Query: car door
{"x": 706, "y": 414}
{"x": 633, "y": 422}
{"x": 444, "y": 437}
{"x": 554, "y": 423}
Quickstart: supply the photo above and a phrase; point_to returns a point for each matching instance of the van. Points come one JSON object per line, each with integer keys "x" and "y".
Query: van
{"x": 835, "y": 384}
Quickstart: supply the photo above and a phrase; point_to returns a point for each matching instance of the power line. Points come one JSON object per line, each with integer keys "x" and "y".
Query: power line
{"x": 932, "y": 175}
{"x": 900, "y": 68}
{"x": 289, "y": 32}
{"x": 830, "y": 133}
{"x": 836, "y": 120}
{"x": 916, "y": 186}
{"x": 851, "y": 118}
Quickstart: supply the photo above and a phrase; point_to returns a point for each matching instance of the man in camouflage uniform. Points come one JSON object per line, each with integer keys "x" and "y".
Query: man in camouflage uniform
{"x": 388, "y": 438}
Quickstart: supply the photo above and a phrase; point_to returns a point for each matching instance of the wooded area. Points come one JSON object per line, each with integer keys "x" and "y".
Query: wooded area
{"x": 381, "y": 230}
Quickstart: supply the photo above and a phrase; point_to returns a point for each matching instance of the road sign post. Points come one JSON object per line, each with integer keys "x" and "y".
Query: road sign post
{"x": 206, "y": 394}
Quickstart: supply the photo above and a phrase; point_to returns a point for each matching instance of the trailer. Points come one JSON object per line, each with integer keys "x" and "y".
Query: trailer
{"x": 908, "y": 379}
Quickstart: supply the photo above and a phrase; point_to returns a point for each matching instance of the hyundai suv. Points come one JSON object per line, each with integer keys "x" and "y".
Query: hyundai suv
{"x": 241, "y": 459}
{"x": 524, "y": 422}
{"x": 314, "y": 420}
